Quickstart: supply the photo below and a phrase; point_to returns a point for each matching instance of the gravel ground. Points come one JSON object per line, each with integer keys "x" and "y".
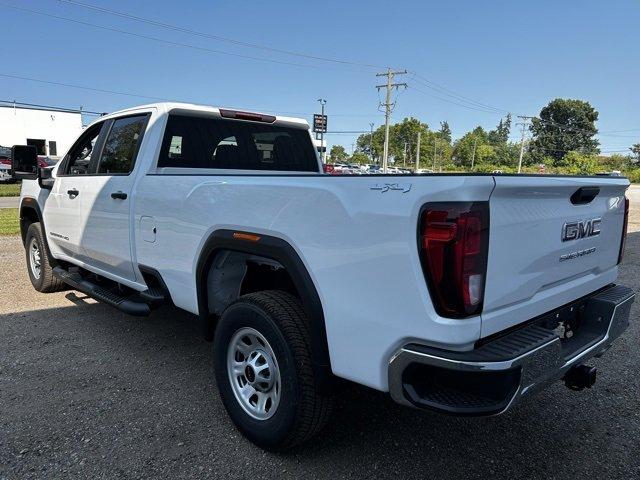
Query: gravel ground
{"x": 86, "y": 392}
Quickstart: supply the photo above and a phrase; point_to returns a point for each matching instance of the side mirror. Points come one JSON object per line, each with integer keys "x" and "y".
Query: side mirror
{"x": 45, "y": 178}
{"x": 24, "y": 162}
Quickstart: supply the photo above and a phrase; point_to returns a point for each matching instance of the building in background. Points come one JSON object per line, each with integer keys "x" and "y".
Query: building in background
{"x": 51, "y": 131}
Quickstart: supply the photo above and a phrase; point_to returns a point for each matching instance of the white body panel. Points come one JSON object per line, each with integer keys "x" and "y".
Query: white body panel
{"x": 525, "y": 276}
{"x": 358, "y": 244}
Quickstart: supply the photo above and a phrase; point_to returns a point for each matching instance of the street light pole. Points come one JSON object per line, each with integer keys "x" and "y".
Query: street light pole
{"x": 322, "y": 145}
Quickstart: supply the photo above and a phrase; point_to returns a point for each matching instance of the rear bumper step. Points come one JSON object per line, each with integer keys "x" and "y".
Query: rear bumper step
{"x": 124, "y": 304}
{"x": 491, "y": 378}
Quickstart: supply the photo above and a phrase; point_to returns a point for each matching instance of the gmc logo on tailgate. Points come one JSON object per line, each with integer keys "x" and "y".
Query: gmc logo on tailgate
{"x": 582, "y": 229}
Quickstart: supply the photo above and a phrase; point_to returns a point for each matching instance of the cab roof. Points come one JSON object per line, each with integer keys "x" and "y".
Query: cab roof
{"x": 168, "y": 107}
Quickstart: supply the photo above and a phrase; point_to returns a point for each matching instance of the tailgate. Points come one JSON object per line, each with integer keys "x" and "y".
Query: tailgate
{"x": 547, "y": 249}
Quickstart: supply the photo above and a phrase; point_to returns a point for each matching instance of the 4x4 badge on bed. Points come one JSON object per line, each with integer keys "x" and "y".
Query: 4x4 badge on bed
{"x": 385, "y": 187}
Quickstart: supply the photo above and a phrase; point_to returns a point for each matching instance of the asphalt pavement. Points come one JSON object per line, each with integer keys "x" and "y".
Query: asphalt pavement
{"x": 87, "y": 392}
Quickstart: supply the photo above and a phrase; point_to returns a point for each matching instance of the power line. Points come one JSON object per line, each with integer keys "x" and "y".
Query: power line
{"x": 620, "y": 131}
{"x": 158, "y": 99}
{"x": 81, "y": 87}
{"x": 477, "y": 109}
{"x": 450, "y": 93}
{"x": 469, "y": 103}
{"x": 347, "y": 132}
{"x": 161, "y": 40}
{"x": 420, "y": 78}
{"x": 214, "y": 37}
{"x": 9, "y": 103}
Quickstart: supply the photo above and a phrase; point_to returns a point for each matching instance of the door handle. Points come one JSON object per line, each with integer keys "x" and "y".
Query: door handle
{"x": 119, "y": 195}
{"x": 73, "y": 192}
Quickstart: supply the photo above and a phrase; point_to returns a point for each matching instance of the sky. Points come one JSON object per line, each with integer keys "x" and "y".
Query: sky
{"x": 470, "y": 62}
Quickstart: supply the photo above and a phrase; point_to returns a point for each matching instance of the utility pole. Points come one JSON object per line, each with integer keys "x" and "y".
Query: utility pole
{"x": 473, "y": 156}
{"x": 435, "y": 150}
{"x": 524, "y": 124}
{"x": 323, "y": 102}
{"x": 371, "y": 143}
{"x": 404, "y": 155}
{"x": 418, "y": 153}
{"x": 388, "y": 106}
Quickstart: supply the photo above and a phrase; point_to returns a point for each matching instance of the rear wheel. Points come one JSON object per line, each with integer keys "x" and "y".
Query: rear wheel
{"x": 39, "y": 263}
{"x": 263, "y": 370}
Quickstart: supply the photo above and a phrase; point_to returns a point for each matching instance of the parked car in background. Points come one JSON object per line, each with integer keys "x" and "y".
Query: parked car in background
{"x": 5, "y": 165}
{"x": 45, "y": 161}
{"x": 328, "y": 168}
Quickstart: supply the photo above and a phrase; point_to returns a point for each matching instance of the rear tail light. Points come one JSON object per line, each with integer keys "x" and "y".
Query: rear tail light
{"x": 625, "y": 224}
{"x": 454, "y": 243}
{"x": 5, "y": 161}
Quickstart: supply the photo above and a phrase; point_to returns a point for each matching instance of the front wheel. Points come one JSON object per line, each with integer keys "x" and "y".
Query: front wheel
{"x": 264, "y": 373}
{"x": 39, "y": 264}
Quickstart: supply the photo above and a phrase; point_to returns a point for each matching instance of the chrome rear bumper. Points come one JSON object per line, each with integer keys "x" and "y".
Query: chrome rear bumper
{"x": 491, "y": 378}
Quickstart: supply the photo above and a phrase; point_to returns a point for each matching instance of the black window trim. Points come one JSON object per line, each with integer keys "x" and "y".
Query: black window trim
{"x": 105, "y": 130}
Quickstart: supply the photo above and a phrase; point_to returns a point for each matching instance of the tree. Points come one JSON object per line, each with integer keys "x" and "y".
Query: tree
{"x": 371, "y": 146}
{"x": 463, "y": 149}
{"x": 338, "y": 153}
{"x": 581, "y": 164}
{"x": 445, "y": 131}
{"x": 405, "y": 133}
{"x": 564, "y": 125}
{"x": 501, "y": 134}
{"x": 635, "y": 149}
{"x": 359, "y": 157}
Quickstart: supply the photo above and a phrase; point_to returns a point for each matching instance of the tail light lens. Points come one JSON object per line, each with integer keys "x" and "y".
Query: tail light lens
{"x": 625, "y": 224}
{"x": 454, "y": 244}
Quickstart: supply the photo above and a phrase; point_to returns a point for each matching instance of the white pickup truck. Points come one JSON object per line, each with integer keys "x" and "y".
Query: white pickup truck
{"x": 455, "y": 293}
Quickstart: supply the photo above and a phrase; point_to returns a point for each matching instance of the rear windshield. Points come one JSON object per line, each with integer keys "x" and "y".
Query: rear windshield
{"x": 198, "y": 142}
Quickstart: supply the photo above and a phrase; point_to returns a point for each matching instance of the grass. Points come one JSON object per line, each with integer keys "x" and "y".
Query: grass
{"x": 9, "y": 221}
{"x": 9, "y": 189}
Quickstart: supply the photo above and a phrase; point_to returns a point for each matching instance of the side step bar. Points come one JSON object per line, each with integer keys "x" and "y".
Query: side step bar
{"x": 76, "y": 281}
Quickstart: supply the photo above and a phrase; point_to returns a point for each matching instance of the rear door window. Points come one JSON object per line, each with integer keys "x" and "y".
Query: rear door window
{"x": 199, "y": 142}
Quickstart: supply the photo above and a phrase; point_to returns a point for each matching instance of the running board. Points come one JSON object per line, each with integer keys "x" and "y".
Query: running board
{"x": 76, "y": 281}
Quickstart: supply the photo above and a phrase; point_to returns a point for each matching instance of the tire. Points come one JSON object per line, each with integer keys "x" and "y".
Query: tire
{"x": 41, "y": 275}
{"x": 297, "y": 411}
